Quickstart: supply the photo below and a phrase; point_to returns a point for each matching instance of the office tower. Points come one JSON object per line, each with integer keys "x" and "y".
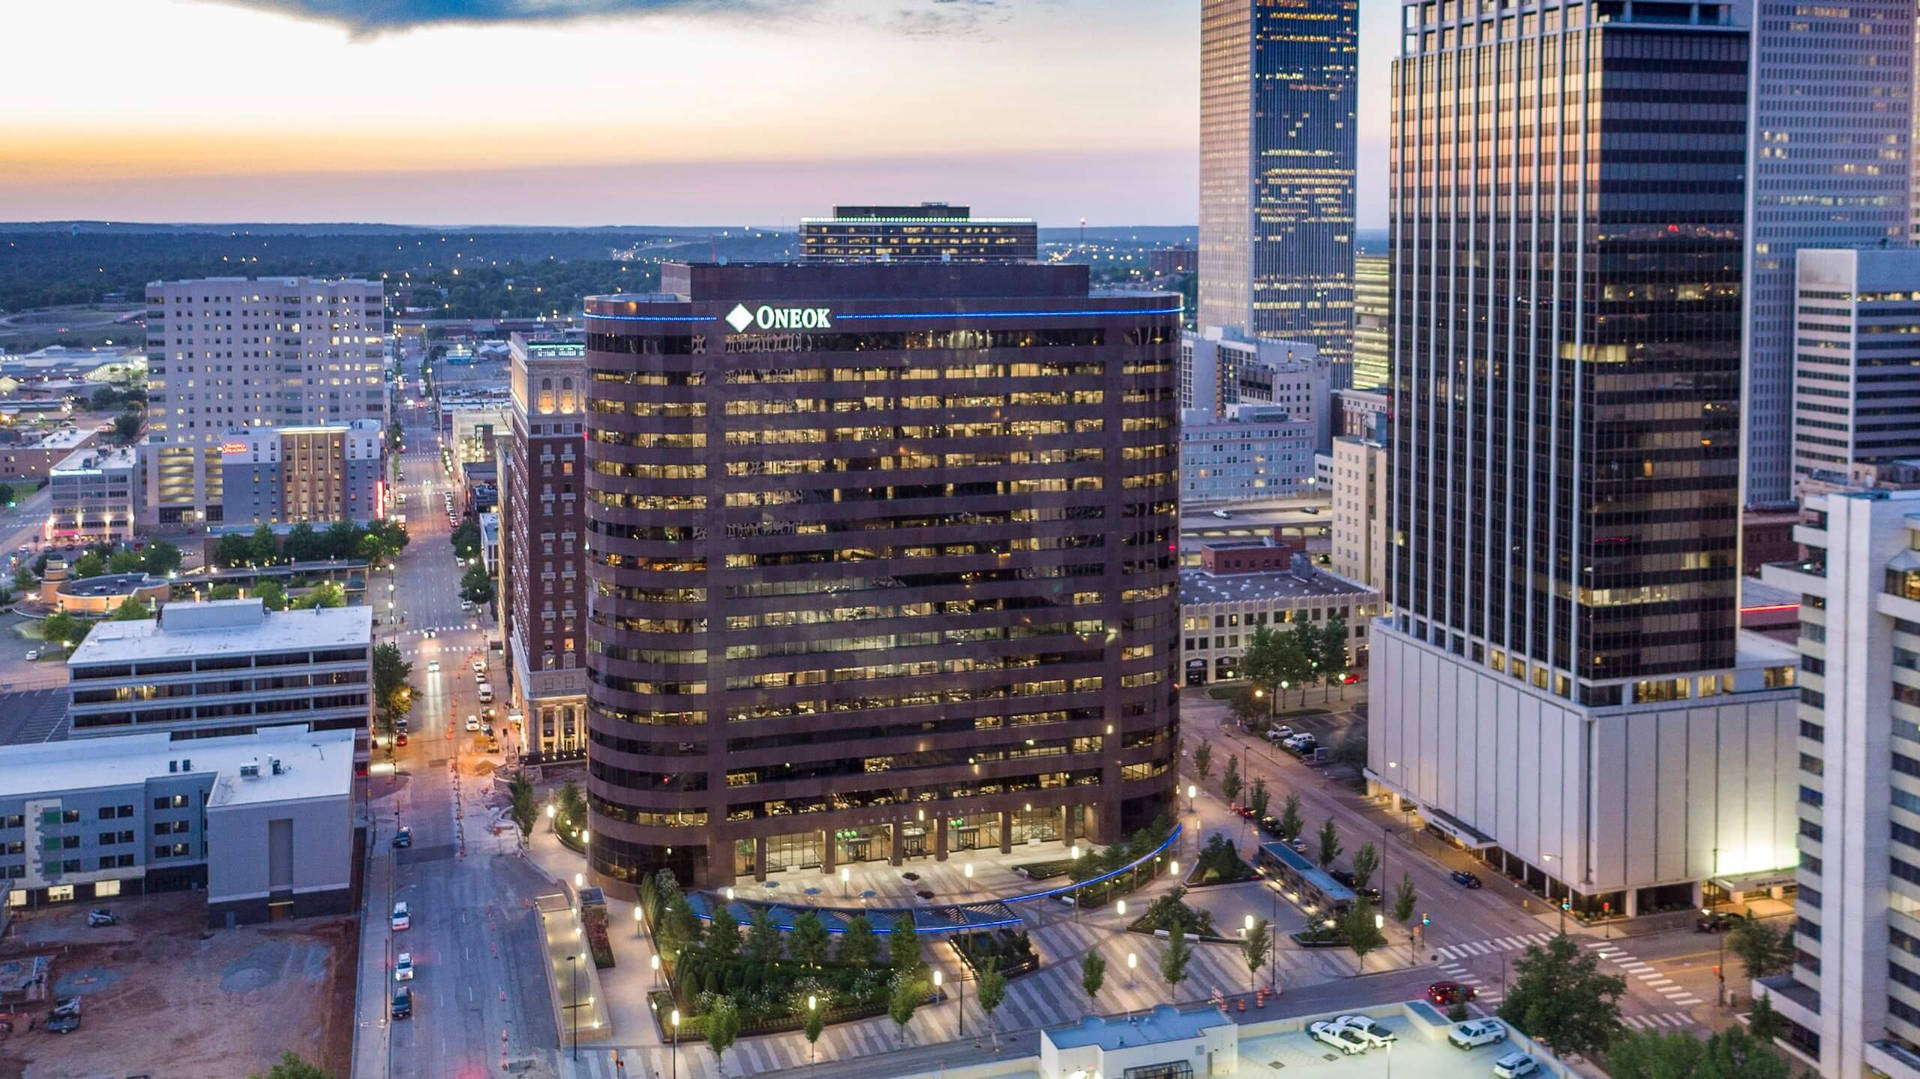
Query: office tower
{"x": 319, "y": 474}
{"x": 227, "y": 352}
{"x": 1372, "y": 321}
{"x": 1856, "y": 363}
{"x": 1255, "y": 452}
{"x": 1561, "y": 683}
{"x": 1277, "y": 153}
{"x": 929, "y": 232}
{"x": 1359, "y": 551}
{"x": 882, "y": 565}
{"x": 543, "y": 537}
{"x": 1220, "y": 370}
{"x": 95, "y": 495}
{"x": 202, "y": 670}
{"x": 1856, "y": 946}
{"x": 1830, "y": 154}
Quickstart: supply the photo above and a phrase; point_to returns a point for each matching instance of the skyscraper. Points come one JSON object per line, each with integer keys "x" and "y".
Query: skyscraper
{"x": 1372, "y": 321}
{"x": 1830, "y": 156}
{"x": 230, "y": 352}
{"x": 1564, "y": 453}
{"x": 1856, "y": 384}
{"x": 1277, "y": 152}
{"x": 882, "y": 564}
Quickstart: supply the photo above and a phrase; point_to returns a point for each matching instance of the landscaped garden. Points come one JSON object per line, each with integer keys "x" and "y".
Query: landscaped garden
{"x": 1220, "y": 863}
{"x": 1004, "y": 950}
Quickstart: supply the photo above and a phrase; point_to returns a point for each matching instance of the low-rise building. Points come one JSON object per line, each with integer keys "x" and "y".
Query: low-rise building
{"x": 95, "y": 495}
{"x": 322, "y": 473}
{"x": 225, "y": 667}
{"x": 1219, "y": 370}
{"x": 1219, "y": 611}
{"x": 34, "y": 460}
{"x": 1257, "y": 452}
{"x": 262, "y": 822}
{"x": 1163, "y": 1042}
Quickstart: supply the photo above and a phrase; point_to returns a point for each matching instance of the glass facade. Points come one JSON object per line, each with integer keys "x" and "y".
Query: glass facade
{"x": 1566, "y": 197}
{"x": 930, "y": 232}
{"x": 915, "y": 566}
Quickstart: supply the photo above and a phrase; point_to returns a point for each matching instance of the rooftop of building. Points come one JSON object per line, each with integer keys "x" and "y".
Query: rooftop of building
{"x": 64, "y": 438}
{"x": 904, "y": 214}
{"x": 1199, "y": 586}
{"x": 282, "y": 282}
{"x": 1752, "y": 649}
{"x": 108, "y": 584}
{"x": 98, "y": 459}
{"x": 33, "y": 716}
{"x": 231, "y": 625}
{"x": 313, "y": 764}
{"x": 1164, "y": 1023}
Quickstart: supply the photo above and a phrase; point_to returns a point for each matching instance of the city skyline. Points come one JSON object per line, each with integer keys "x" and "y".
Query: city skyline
{"x": 491, "y": 142}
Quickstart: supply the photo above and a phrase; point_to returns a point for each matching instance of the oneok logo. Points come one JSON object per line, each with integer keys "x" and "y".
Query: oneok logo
{"x": 767, "y": 317}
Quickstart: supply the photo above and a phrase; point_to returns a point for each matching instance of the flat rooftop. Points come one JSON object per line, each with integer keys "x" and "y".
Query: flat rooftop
{"x": 185, "y": 630}
{"x": 1164, "y": 1024}
{"x": 313, "y": 764}
{"x": 111, "y": 584}
{"x": 92, "y": 459}
{"x": 65, "y": 438}
{"x": 1199, "y": 586}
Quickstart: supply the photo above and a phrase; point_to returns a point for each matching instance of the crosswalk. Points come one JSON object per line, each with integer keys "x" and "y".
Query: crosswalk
{"x": 1486, "y": 994}
{"x": 1659, "y": 1021}
{"x": 1647, "y": 974}
{"x": 1492, "y": 946}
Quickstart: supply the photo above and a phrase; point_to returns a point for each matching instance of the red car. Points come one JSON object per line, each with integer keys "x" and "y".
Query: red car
{"x": 400, "y": 739}
{"x": 1445, "y": 993}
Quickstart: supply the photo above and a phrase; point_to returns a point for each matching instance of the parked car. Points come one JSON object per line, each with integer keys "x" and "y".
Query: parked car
{"x": 1243, "y": 811}
{"x": 101, "y": 916}
{"x": 402, "y": 917}
{"x": 1279, "y": 732}
{"x": 33, "y": 654}
{"x": 473, "y": 723}
{"x": 1342, "y": 876}
{"x": 403, "y": 967}
{"x": 403, "y": 1003}
{"x": 1370, "y": 894}
{"x": 66, "y": 1006}
{"x": 1299, "y": 844}
{"x": 400, "y": 739}
{"x": 1715, "y": 921}
{"x": 1225, "y": 515}
{"x": 1367, "y": 1030}
{"x": 1515, "y": 1065}
{"x": 65, "y": 1024}
{"x": 403, "y": 838}
{"x": 1445, "y": 993}
{"x": 1464, "y": 879}
{"x": 433, "y": 666}
{"x": 1270, "y": 825}
{"x": 1477, "y": 1032}
{"x": 1337, "y": 1036}
{"x": 478, "y": 663}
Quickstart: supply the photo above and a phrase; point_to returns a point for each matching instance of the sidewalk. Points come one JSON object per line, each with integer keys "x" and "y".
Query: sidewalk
{"x": 371, "y": 1025}
{"x": 626, "y": 983}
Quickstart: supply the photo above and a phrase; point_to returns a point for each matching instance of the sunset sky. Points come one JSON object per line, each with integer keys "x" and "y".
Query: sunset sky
{"x": 641, "y": 112}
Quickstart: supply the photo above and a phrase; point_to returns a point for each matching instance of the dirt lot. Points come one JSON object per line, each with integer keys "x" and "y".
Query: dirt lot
{"x": 167, "y": 997}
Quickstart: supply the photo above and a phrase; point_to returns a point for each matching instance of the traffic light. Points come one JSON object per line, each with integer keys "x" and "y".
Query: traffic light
{"x": 1717, "y": 974}
{"x": 1567, "y": 903}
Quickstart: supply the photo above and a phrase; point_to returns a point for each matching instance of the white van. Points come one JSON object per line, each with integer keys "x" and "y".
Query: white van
{"x": 486, "y": 693}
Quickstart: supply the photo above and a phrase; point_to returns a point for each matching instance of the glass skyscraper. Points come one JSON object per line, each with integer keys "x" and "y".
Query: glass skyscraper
{"x": 1830, "y": 152}
{"x": 1277, "y": 150}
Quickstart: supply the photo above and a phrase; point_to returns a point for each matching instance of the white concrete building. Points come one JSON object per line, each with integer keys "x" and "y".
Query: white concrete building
{"x": 229, "y": 352}
{"x": 1853, "y": 996}
{"x": 1856, "y": 362}
{"x": 1360, "y": 511}
{"x": 225, "y": 667}
{"x": 1165, "y": 1042}
{"x": 1219, "y": 370}
{"x": 95, "y": 494}
{"x": 1257, "y": 452}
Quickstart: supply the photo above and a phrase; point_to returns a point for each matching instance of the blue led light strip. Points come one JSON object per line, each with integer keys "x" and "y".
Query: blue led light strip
{"x": 887, "y": 316}
{"x": 655, "y": 318}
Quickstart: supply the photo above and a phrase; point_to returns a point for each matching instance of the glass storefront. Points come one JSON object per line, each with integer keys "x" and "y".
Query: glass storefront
{"x": 1036, "y": 826}
{"x": 978, "y": 832}
{"x": 867, "y": 843}
{"x": 796, "y": 850}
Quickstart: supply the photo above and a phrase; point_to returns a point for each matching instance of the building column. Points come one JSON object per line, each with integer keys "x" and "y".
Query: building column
{"x": 829, "y": 852}
{"x": 940, "y": 838}
{"x": 1631, "y": 903}
{"x": 760, "y": 858}
{"x": 1065, "y": 815}
{"x": 896, "y": 843}
{"x": 1006, "y": 831}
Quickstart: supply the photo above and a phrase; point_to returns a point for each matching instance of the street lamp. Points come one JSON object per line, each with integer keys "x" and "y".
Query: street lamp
{"x": 845, "y": 876}
{"x": 574, "y": 1016}
{"x": 813, "y": 1005}
{"x": 1120, "y": 907}
{"x": 676, "y": 1043}
{"x": 1132, "y": 962}
{"x": 1191, "y": 791}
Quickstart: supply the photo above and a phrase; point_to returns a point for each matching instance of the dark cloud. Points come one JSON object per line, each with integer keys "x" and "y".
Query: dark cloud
{"x": 376, "y": 16}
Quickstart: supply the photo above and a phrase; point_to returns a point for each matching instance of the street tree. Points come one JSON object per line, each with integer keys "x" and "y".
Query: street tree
{"x": 476, "y": 585}
{"x": 1247, "y": 707}
{"x": 324, "y": 594}
{"x": 127, "y": 562}
{"x": 1291, "y": 818}
{"x": 1366, "y": 862}
{"x": 809, "y": 940}
{"x": 1733, "y": 1053}
{"x": 1255, "y": 949}
{"x": 1262, "y": 664}
{"x": 1173, "y": 961}
{"x": 1764, "y": 1021}
{"x": 1202, "y": 754}
{"x": 1093, "y": 974}
{"x": 524, "y": 810}
{"x": 1404, "y": 900}
{"x": 1329, "y": 844}
{"x": 1230, "y": 782}
{"x": 1300, "y": 653}
{"x": 1258, "y": 798}
{"x": 992, "y": 992}
{"x": 723, "y": 1028}
{"x": 1560, "y": 998}
{"x": 90, "y": 564}
{"x": 1360, "y": 926}
{"x": 904, "y": 1000}
{"x": 1763, "y": 950}
{"x": 812, "y": 1027}
{"x": 23, "y": 580}
{"x": 162, "y": 557}
{"x": 1333, "y": 652}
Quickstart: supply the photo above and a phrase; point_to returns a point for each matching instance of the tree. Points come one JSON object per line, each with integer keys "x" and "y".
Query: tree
{"x": 1262, "y": 663}
{"x": 1360, "y": 926}
{"x": 233, "y": 550}
{"x": 466, "y": 539}
{"x": 1329, "y": 844}
{"x": 1173, "y": 961}
{"x": 23, "y": 580}
{"x": 1763, "y": 1022}
{"x": 90, "y": 565}
{"x": 1203, "y": 760}
{"x": 263, "y": 548}
{"x": 809, "y": 940}
{"x": 1299, "y": 653}
{"x": 723, "y": 936}
{"x": 993, "y": 992}
{"x": 1246, "y": 707}
{"x": 127, "y": 562}
{"x": 1230, "y": 781}
{"x": 134, "y": 609}
{"x": 1254, "y": 948}
{"x": 1763, "y": 950}
{"x": 763, "y": 937}
{"x": 1733, "y": 1053}
{"x": 1560, "y": 998}
{"x": 723, "y": 1027}
{"x": 858, "y": 945}
{"x": 162, "y": 557}
{"x": 1093, "y": 974}
{"x": 903, "y": 945}
{"x": 303, "y": 544}
{"x": 522, "y": 807}
{"x": 126, "y": 428}
{"x": 1404, "y": 900}
{"x": 476, "y": 585}
{"x": 812, "y": 1026}
{"x": 272, "y": 593}
{"x": 324, "y": 594}
{"x": 1333, "y": 651}
{"x": 224, "y": 591}
{"x": 904, "y": 1000}
{"x": 6, "y": 494}
{"x": 342, "y": 539}
{"x": 1366, "y": 862}
{"x": 63, "y": 629}
{"x": 1257, "y": 798}
{"x": 291, "y": 1065}
{"x": 393, "y": 697}
{"x": 1291, "y": 819}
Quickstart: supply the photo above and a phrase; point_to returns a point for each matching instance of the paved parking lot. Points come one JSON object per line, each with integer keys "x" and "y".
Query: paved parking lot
{"x": 1295, "y": 1053}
